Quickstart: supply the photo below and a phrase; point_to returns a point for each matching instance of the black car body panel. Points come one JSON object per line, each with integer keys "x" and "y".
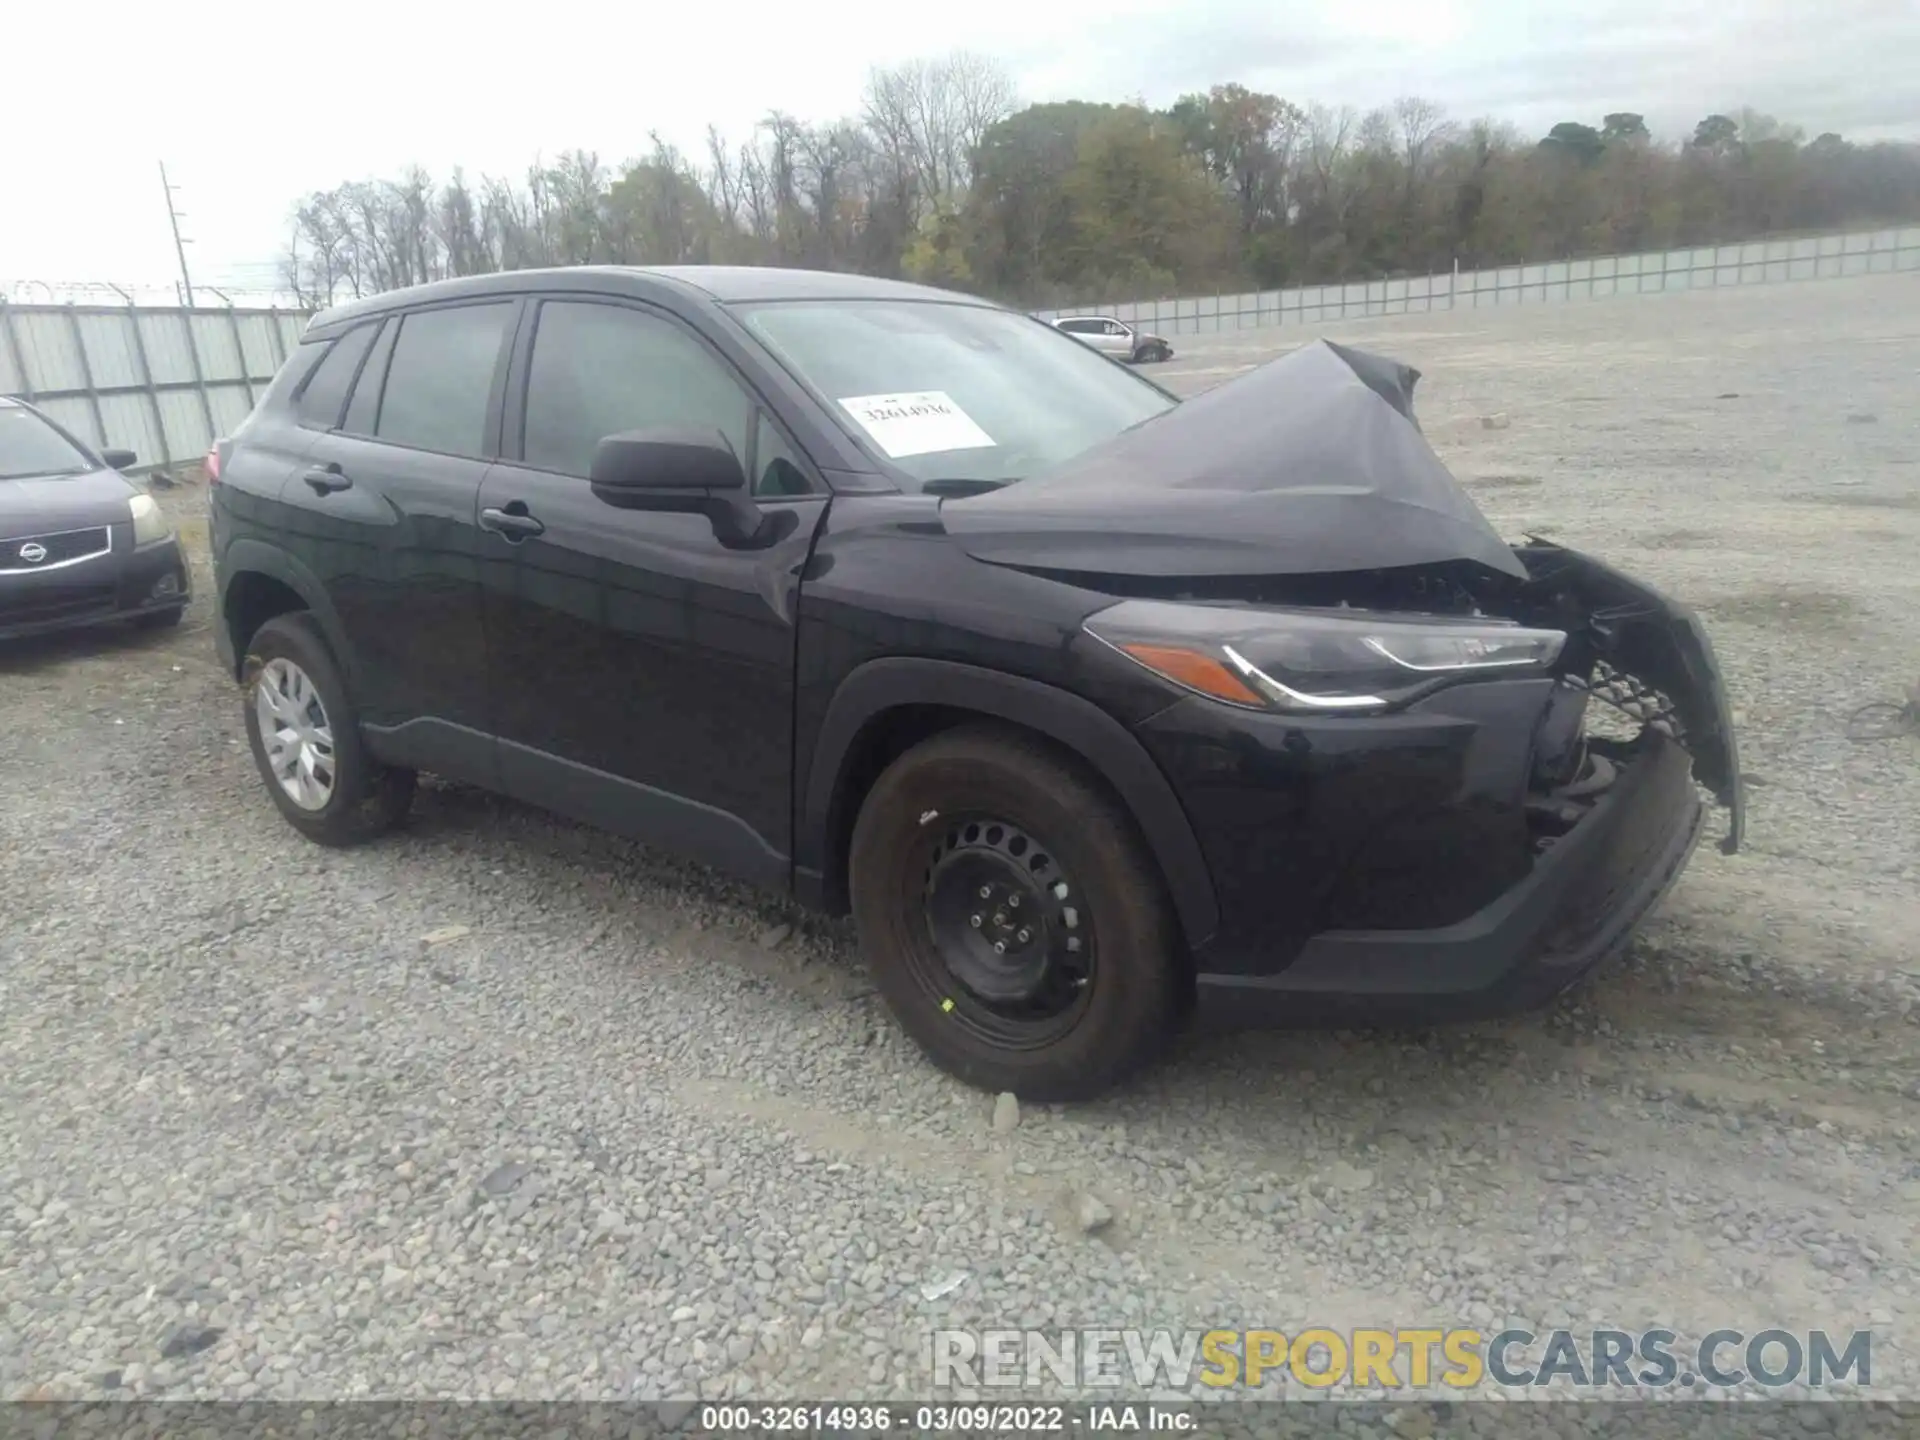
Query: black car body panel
{"x": 68, "y": 555}
{"x": 1574, "y": 908}
{"x": 1303, "y": 466}
{"x": 732, "y": 696}
{"x": 67, "y": 502}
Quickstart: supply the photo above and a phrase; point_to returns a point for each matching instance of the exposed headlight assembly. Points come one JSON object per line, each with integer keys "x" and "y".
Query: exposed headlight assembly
{"x": 149, "y": 524}
{"x": 1314, "y": 661}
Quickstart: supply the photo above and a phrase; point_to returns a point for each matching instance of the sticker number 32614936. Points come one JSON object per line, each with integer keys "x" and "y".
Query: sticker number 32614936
{"x": 916, "y": 423}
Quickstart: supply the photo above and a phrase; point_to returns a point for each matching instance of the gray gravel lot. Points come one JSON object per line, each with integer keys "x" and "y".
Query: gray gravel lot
{"x": 505, "y": 1107}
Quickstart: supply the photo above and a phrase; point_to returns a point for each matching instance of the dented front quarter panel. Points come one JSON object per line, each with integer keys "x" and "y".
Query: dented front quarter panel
{"x": 1661, "y": 643}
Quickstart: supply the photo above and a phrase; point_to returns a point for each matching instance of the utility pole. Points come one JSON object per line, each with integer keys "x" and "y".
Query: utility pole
{"x": 179, "y": 245}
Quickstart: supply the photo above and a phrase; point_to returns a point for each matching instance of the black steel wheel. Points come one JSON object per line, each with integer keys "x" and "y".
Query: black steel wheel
{"x": 1011, "y": 947}
{"x": 1011, "y": 916}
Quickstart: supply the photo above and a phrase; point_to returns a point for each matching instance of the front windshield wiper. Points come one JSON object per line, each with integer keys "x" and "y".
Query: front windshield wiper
{"x": 959, "y": 489}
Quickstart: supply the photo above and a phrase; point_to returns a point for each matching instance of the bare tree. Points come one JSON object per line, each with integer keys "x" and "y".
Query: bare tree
{"x": 1421, "y": 126}
{"x": 928, "y": 117}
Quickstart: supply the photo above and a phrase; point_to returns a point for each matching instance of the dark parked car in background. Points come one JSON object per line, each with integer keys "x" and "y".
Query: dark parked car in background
{"x": 79, "y": 542}
{"x": 1091, "y": 705}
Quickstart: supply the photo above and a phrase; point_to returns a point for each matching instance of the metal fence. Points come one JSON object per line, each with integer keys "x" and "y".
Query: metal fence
{"x": 166, "y": 382}
{"x": 163, "y": 383}
{"x": 1755, "y": 262}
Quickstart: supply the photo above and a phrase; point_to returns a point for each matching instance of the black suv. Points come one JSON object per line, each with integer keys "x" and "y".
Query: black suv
{"x": 1090, "y": 704}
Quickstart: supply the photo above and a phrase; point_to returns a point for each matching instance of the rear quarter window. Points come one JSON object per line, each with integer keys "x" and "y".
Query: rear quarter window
{"x": 324, "y": 396}
{"x": 292, "y": 373}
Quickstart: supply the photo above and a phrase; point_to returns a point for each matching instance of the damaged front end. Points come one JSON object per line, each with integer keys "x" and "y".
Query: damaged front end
{"x": 1642, "y": 655}
{"x": 1433, "y": 788}
{"x": 1423, "y": 763}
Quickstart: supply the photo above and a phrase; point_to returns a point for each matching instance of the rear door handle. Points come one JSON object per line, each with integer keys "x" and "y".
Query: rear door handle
{"x": 327, "y": 480}
{"x": 510, "y": 524}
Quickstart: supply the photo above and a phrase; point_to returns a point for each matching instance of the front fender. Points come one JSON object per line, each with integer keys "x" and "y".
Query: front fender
{"x": 1095, "y": 736}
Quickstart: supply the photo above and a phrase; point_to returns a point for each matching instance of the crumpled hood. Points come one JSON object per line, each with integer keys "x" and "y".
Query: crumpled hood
{"x": 1310, "y": 464}
{"x": 63, "y": 502}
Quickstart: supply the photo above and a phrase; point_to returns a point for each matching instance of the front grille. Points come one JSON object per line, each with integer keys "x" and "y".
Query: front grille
{"x": 1635, "y": 699}
{"x": 53, "y": 602}
{"x": 66, "y": 547}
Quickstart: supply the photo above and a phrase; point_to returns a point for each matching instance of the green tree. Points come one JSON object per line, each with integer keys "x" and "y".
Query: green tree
{"x": 1716, "y": 135}
{"x": 1573, "y": 141}
{"x": 1141, "y": 210}
{"x": 1624, "y": 127}
{"x": 1018, "y": 217}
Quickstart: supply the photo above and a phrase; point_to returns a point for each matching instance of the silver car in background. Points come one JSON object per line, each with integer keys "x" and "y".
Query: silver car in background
{"x": 1115, "y": 338}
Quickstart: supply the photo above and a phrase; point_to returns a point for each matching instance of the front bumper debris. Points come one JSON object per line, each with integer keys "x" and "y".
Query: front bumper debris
{"x": 1578, "y": 906}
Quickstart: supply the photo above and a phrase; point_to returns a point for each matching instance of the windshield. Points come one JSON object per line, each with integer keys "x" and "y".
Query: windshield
{"x": 30, "y": 447}
{"x": 955, "y": 392}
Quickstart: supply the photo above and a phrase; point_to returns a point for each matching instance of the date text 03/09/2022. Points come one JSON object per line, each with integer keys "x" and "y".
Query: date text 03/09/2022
{"x": 938, "y": 1419}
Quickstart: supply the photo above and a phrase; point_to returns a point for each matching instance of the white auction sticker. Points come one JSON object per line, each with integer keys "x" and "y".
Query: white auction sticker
{"x": 918, "y": 423}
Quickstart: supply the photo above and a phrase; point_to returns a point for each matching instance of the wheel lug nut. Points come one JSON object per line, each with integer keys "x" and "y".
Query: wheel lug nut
{"x": 985, "y": 891}
{"x": 1024, "y": 936}
{"x": 1013, "y": 902}
{"x": 999, "y": 947}
{"x": 976, "y": 922}
{"x": 1000, "y": 919}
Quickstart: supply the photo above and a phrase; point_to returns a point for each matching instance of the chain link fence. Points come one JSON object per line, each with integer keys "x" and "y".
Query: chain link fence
{"x": 1754, "y": 262}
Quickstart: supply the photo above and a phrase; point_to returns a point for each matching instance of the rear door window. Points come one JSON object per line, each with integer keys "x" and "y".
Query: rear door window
{"x": 325, "y": 393}
{"x": 440, "y": 378}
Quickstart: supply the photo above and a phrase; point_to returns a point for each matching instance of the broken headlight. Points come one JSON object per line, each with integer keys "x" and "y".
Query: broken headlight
{"x": 1315, "y": 661}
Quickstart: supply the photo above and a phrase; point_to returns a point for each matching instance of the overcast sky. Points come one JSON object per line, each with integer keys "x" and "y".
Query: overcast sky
{"x": 253, "y": 105}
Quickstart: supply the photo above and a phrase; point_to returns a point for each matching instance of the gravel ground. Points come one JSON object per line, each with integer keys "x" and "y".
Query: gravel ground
{"x": 504, "y": 1107}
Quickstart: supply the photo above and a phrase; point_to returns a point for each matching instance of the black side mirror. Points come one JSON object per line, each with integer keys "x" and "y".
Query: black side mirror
{"x": 690, "y": 471}
{"x": 118, "y": 459}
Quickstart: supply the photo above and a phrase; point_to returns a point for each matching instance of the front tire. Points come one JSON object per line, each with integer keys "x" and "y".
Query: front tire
{"x": 306, "y": 742}
{"x": 1012, "y": 918}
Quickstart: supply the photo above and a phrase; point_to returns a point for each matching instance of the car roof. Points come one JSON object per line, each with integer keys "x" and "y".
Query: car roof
{"x": 723, "y": 284}
{"x": 1058, "y": 318}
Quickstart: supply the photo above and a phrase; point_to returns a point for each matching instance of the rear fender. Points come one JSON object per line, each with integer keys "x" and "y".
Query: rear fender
{"x": 256, "y": 556}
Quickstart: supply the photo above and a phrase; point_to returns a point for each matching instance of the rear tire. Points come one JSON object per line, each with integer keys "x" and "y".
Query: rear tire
{"x": 1093, "y": 995}
{"x": 316, "y": 769}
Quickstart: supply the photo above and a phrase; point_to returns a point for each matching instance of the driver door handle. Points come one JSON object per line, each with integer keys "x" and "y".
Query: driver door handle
{"x": 511, "y": 525}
